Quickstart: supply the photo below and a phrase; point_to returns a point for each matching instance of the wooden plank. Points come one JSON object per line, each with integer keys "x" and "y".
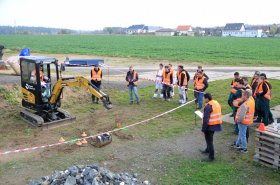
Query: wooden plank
{"x": 267, "y": 148}
{"x": 273, "y": 159}
{"x": 267, "y": 160}
{"x": 272, "y": 139}
{"x": 266, "y": 164}
{"x": 269, "y": 131}
{"x": 267, "y": 151}
{"x": 266, "y": 142}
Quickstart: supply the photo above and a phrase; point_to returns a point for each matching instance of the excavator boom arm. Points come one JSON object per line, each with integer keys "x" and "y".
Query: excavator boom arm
{"x": 81, "y": 82}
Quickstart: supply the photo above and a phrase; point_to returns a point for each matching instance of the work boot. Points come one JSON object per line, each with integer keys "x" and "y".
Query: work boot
{"x": 204, "y": 151}
{"x": 208, "y": 160}
{"x": 131, "y": 102}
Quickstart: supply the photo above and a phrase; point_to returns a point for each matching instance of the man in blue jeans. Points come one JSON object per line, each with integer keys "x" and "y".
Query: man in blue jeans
{"x": 244, "y": 118}
{"x": 200, "y": 85}
{"x": 132, "y": 79}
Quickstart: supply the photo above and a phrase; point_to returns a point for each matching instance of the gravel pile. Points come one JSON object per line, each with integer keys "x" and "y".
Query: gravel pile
{"x": 88, "y": 175}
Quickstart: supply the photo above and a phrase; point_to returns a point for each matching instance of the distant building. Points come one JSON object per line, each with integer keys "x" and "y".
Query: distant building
{"x": 165, "y": 32}
{"x": 239, "y": 30}
{"x": 136, "y": 29}
{"x": 151, "y": 29}
{"x": 184, "y": 30}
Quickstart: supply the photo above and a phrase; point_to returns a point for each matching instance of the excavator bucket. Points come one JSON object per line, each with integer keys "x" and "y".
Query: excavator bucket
{"x": 107, "y": 103}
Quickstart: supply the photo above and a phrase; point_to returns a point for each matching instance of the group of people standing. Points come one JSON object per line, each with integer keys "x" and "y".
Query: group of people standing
{"x": 249, "y": 102}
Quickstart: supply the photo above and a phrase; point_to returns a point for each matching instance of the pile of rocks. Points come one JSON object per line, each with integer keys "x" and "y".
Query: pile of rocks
{"x": 88, "y": 175}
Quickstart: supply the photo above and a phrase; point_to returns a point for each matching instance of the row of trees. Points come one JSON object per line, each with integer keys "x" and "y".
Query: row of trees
{"x": 25, "y": 30}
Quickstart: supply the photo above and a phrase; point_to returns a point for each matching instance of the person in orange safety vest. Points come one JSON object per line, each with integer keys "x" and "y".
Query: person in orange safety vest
{"x": 212, "y": 120}
{"x": 233, "y": 89}
{"x": 96, "y": 78}
{"x": 244, "y": 118}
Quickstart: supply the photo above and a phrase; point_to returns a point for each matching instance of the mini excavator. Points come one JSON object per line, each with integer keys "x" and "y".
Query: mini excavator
{"x": 42, "y": 93}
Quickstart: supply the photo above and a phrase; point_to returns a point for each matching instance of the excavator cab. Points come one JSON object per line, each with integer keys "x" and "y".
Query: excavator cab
{"x": 42, "y": 91}
{"x": 36, "y": 81}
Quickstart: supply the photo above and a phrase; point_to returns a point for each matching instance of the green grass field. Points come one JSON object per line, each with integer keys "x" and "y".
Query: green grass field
{"x": 207, "y": 50}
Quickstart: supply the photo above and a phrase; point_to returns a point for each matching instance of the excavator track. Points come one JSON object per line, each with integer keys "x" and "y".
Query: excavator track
{"x": 31, "y": 118}
{"x": 64, "y": 120}
{"x": 37, "y": 121}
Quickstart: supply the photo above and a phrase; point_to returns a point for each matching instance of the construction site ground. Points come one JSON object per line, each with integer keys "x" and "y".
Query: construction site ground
{"x": 163, "y": 151}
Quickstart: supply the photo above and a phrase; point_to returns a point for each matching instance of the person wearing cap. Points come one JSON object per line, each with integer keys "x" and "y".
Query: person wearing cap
{"x": 212, "y": 120}
{"x": 167, "y": 80}
{"x": 96, "y": 78}
{"x": 200, "y": 85}
{"x": 199, "y": 68}
{"x": 132, "y": 79}
{"x": 233, "y": 90}
{"x": 182, "y": 82}
{"x": 159, "y": 82}
{"x": 244, "y": 118}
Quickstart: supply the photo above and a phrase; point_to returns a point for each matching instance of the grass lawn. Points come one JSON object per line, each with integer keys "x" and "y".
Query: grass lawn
{"x": 230, "y": 168}
{"x": 207, "y": 50}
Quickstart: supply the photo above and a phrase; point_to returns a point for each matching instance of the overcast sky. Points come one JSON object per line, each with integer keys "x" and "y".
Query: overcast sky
{"x": 96, "y": 14}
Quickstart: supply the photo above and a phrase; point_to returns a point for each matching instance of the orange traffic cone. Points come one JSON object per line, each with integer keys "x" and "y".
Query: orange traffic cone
{"x": 79, "y": 143}
{"x": 61, "y": 140}
{"x": 84, "y": 141}
{"x": 119, "y": 125}
{"x": 84, "y": 134}
{"x": 261, "y": 127}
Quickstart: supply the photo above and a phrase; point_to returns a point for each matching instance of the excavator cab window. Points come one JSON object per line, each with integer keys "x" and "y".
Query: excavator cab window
{"x": 26, "y": 71}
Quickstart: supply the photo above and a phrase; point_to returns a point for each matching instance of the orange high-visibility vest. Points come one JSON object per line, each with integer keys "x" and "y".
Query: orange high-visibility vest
{"x": 216, "y": 114}
{"x": 134, "y": 78}
{"x": 41, "y": 75}
{"x": 234, "y": 84}
{"x": 96, "y": 76}
{"x": 166, "y": 78}
{"x": 237, "y": 100}
{"x": 249, "y": 117}
{"x": 259, "y": 89}
{"x": 179, "y": 77}
{"x": 195, "y": 75}
{"x": 198, "y": 83}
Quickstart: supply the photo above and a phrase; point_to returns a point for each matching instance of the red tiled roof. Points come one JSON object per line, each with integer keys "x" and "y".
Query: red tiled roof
{"x": 184, "y": 27}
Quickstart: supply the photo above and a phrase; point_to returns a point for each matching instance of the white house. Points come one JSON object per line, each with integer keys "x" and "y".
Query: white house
{"x": 165, "y": 32}
{"x": 234, "y": 30}
{"x": 239, "y": 30}
{"x": 184, "y": 30}
{"x": 134, "y": 29}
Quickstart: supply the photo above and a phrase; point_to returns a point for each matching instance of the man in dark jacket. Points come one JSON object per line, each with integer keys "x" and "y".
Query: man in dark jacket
{"x": 132, "y": 79}
{"x": 212, "y": 120}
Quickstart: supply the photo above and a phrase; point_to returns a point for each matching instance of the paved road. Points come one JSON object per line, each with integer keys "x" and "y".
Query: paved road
{"x": 215, "y": 73}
